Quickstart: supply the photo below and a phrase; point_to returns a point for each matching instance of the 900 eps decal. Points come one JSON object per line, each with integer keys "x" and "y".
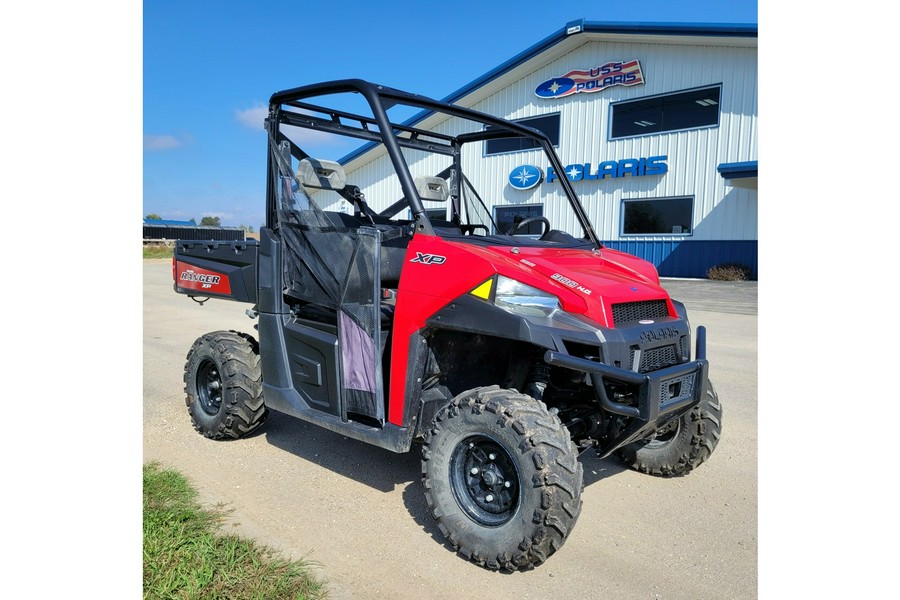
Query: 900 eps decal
{"x": 570, "y": 283}
{"x": 429, "y": 259}
{"x": 195, "y": 278}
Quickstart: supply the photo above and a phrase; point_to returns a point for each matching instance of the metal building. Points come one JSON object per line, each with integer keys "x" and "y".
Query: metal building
{"x": 161, "y": 230}
{"x": 657, "y": 124}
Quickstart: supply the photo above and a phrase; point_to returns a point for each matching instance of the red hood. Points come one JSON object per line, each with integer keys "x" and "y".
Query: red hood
{"x": 586, "y": 282}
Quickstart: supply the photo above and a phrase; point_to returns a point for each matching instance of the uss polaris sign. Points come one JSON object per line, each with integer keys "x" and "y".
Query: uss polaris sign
{"x": 618, "y": 72}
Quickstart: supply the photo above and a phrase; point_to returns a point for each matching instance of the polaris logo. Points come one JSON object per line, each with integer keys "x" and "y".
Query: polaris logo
{"x": 525, "y": 177}
{"x": 429, "y": 259}
{"x": 595, "y": 79}
{"x": 613, "y": 169}
{"x": 657, "y": 335}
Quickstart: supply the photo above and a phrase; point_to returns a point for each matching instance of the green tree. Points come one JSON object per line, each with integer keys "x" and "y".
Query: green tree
{"x": 154, "y": 217}
{"x": 247, "y": 228}
{"x": 213, "y": 221}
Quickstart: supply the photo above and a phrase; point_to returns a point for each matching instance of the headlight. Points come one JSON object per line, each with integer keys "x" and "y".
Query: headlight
{"x": 516, "y": 297}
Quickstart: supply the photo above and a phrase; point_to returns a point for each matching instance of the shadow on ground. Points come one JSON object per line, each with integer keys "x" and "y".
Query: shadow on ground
{"x": 374, "y": 467}
{"x": 381, "y": 469}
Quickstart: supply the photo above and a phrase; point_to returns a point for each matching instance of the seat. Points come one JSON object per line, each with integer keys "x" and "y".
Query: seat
{"x": 321, "y": 174}
{"x": 434, "y": 189}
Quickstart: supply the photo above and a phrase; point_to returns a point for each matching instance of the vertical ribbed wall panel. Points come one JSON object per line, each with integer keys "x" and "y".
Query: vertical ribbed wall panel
{"x": 691, "y": 258}
{"x": 721, "y": 211}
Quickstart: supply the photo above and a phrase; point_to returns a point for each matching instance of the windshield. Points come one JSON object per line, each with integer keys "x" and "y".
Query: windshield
{"x": 434, "y": 171}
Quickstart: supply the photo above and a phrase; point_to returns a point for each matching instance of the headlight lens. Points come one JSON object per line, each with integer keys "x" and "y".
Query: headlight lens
{"x": 516, "y": 297}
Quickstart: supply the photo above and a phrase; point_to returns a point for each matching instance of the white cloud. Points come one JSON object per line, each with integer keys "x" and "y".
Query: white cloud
{"x": 162, "y": 142}
{"x": 253, "y": 117}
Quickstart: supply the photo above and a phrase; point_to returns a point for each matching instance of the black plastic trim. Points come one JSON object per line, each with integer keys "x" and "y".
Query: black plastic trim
{"x": 648, "y": 415}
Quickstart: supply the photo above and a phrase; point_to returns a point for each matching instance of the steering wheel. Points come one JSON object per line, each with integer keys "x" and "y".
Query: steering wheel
{"x": 517, "y": 226}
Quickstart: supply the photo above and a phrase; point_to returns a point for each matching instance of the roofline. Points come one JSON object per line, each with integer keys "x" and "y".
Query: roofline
{"x": 573, "y": 28}
{"x": 184, "y": 224}
{"x": 739, "y": 170}
{"x": 633, "y": 28}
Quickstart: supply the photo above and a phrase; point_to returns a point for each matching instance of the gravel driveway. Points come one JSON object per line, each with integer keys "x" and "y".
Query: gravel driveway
{"x": 359, "y": 511}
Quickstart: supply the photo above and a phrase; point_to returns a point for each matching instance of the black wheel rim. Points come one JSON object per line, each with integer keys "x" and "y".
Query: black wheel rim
{"x": 484, "y": 480}
{"x": 209, "y": 387}
{"x": 665, "y": 434}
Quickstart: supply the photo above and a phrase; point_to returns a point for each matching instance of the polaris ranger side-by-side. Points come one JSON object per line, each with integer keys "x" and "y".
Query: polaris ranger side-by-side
{"x": 405, "y": 313}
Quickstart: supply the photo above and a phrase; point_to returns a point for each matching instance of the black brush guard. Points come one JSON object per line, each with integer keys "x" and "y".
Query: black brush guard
{"x": 661, "y": 395}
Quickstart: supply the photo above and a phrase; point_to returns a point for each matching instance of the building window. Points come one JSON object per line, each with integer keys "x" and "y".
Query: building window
{"x": 549, "y": 124}
{"x": 673, "y": 112}
{"x": 507, "y": 216}
{"x": 660, "y": 216}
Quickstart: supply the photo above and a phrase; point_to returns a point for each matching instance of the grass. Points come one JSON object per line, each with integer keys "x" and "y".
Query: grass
{"x": 158, "y": 251}
{"x": 187, "y": 556}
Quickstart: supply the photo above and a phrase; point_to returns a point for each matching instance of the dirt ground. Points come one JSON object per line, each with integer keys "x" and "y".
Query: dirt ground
{"x": 359, "y": 512}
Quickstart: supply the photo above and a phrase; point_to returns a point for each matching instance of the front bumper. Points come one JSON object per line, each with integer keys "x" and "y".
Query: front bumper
{"x": 661, "y": 395}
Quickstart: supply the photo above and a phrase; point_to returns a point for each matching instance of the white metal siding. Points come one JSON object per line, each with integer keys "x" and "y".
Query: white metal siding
{"x": 721, "y": 212}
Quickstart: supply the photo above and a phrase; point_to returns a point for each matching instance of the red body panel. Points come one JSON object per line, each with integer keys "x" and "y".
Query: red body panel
{"x": 203, "y": 280}
{"x": 438, "y": 271}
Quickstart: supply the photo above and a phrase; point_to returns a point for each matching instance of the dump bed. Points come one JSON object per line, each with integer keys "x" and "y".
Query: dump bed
{"x": 216, "y": 269}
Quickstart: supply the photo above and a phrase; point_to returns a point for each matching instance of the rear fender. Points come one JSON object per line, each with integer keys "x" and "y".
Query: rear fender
{"x": 225, "y": 270}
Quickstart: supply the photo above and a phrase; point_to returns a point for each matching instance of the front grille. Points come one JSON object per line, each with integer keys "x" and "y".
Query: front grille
{"x": 655, "y": 359}
{"x": 632, "y": 312}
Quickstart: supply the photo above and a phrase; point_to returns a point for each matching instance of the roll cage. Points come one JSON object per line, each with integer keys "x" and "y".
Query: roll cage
{"x": 291, "y": 107}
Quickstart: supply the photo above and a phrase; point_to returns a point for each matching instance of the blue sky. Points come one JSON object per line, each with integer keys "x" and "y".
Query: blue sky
{"x": 210, "y": 67}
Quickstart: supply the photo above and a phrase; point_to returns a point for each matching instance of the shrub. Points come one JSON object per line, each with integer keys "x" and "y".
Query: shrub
{"x": 158, "y": 251}
{"x": 729, "y": 272}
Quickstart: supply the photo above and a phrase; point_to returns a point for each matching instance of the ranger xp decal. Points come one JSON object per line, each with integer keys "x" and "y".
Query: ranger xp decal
{"x": 194, "y": 278}
{"x": 592, "y": 80}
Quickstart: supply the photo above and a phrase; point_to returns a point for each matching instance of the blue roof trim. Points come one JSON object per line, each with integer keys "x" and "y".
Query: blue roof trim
{"x": 574, "y": 28}
{"x": 738, "y": 170}
{"x": 170, "y": 223}
{"x": 703, "y": 29}
{"x": 184, "y": 224}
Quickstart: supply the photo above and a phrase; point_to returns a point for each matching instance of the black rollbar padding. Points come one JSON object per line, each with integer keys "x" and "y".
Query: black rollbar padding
{"x": 701, "y": 343}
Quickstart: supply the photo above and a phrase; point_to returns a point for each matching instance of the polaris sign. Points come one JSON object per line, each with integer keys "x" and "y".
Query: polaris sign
{"x": 525, "y": 177}
{"x": 636, "y": 167}
{"x": 596, "y": 79}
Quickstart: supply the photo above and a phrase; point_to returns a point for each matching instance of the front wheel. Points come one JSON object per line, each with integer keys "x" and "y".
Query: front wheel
{"x": 223, "y": 385}
{"x": 682, "y": 445}
{"x": 502, "y": 478}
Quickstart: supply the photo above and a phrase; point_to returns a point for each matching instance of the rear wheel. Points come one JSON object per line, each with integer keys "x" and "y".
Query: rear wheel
{"x": 223, "y": 385}
{"x": 502, "y": 478}
{"x": 682, "y": 445}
